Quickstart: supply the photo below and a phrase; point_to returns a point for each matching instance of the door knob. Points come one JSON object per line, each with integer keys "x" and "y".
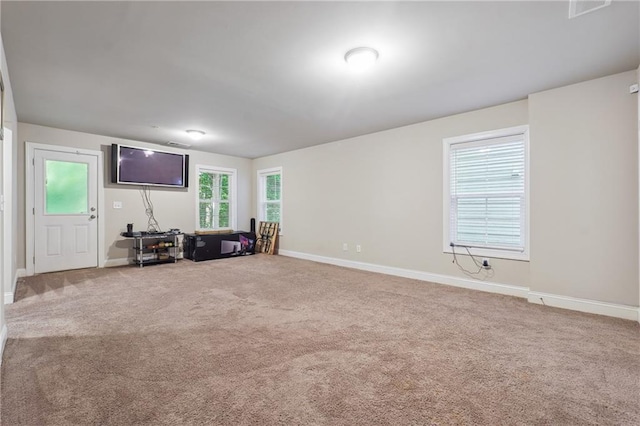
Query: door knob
{"x": 93, "y": 209}
{"x": 93, "y": 216}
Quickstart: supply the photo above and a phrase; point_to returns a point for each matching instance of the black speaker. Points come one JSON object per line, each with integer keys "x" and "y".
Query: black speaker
{"x": 253, "y": 225}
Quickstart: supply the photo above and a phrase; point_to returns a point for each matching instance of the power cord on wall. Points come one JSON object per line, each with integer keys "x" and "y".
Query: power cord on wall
{"x": 484, "y": 271}
{"x": 152, "y": 223}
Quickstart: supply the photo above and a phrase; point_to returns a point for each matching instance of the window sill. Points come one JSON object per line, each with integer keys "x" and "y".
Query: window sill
{"x": 489, "y": 253}
{"x": 216, "y": 230}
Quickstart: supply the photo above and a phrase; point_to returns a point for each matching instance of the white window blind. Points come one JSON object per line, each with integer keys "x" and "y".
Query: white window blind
{"x": 487, "y": 193}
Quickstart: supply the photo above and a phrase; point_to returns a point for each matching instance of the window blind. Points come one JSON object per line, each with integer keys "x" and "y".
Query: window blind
{"x": 487, "y": 193}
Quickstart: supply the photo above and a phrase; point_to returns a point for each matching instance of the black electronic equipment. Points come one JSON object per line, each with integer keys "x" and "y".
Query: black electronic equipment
{"x": 142, "y": 166}
{"x": 198, "y": 247}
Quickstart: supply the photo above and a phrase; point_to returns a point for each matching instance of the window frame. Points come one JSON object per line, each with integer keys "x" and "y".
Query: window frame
{"x": 233, "y": 194}
{"x": 480, "y": 137}
{"x": 261, "y": 176}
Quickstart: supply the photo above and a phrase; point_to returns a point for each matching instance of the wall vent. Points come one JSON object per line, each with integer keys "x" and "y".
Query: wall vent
{"x": 179, "y": 144}
{"x": 580, "y": 7}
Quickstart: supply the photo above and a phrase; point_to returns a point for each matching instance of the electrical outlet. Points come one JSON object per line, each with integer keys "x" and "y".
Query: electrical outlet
{"x": 485, "y": 264}
{"x": 345, "y": 246}
{"x": 117, "y": 204}
{"x": 358, "y": 248}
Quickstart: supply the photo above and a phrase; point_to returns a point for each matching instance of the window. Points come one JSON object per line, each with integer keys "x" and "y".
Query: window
{"x": 486, "y": 193}
{"x": 270, "y": 195}
{"x": 216, "y": 207}
{"x": 66, "y": 188}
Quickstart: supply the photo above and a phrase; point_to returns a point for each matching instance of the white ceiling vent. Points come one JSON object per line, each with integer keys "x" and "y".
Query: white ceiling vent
{"x": 580, "y": 7}
{"x": 179, "y": 144}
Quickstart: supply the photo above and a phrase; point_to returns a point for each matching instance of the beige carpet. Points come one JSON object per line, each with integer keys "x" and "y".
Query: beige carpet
{"x": 274, "y": 340}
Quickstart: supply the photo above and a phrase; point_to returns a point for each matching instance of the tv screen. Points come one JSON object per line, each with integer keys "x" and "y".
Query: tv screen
{"x": 141, "y": 166}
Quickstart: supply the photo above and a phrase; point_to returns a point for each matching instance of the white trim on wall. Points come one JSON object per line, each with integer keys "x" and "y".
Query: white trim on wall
{"x": 260, "y": 190}
{"x": 483, "y": 138}
{"x": 110, "y": 263}
{"x": 30, "y": 148}
{"x": 584, "y": 305}
{"x": 4, "y": 334}
{"x": 233, "y": 173}
{"x": 9, "y": 296}
{"x": 509, "y": 290}
{"x": 7, "y": 217}
{"x": 572, "y": 303}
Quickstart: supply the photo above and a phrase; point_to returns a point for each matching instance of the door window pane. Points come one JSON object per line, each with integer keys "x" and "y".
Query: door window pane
{"x": 66, "y": 188}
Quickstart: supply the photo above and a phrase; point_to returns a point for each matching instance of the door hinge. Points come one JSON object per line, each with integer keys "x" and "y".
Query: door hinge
{"x": 34, "y": 211}
{"x": 34, "y": 260}
{"x": 33, "y": 161}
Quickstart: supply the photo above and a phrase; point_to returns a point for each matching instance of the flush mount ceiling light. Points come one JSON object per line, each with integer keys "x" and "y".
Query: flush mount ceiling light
{"x": 195, "y": 134}
{"x": 361, "y": 58}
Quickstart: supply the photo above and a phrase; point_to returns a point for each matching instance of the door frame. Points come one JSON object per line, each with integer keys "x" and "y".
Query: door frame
{"x": 29, "y": 168}
{"x": 8, "y": 281}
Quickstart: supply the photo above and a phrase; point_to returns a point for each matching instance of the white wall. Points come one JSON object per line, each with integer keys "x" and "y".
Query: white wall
{"x": 384, "y": 191}
{"x": 584, "y": 157}
{"x": 10, "y": 121}
{"x": 173, "y": 208}
{"x": 2, "y": 286}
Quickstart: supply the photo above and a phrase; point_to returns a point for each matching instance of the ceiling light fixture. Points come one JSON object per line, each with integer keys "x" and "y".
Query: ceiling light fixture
{"x": 195, "y": 134}
{"x": 361, "y": 58}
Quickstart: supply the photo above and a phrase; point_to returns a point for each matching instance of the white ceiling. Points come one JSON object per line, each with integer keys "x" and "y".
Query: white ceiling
{"x": 267, "y": 77}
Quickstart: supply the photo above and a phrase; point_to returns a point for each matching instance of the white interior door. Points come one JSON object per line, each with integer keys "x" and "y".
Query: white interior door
{"x": 65, "y": 211}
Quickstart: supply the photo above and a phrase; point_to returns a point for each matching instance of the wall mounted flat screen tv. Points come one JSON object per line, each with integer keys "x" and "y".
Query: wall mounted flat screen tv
{"x": 142, "y": 166}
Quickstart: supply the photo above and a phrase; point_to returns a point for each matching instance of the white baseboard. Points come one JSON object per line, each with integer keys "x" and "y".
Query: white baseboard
{"x": 9, "y": 296}
{"x": 3, "y": 339}
{"x": 585, "y": 305}
{"x": 509, "y": 290}
{"x": 572, "y": 303}
{"x": 110, "y": 263}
